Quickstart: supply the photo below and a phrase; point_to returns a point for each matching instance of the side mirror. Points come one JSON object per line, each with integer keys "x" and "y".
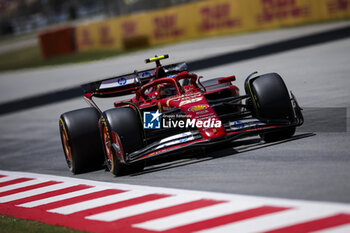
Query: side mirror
{"x": 137, "y": 79}
{"x": 156, "y": 94}
{"x": 228, "y": 79}
{"x": 199, "y": 82}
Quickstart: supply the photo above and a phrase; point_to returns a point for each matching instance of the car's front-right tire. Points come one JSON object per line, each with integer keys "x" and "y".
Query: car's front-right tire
{"x": 270, "y": 99}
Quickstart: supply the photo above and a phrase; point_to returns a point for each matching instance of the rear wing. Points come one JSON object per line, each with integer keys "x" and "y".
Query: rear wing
{"x": 128, "y": 83}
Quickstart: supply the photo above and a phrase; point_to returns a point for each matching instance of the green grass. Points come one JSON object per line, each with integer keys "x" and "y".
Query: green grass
{"x": 15, "y": 225}
{"x": 31, "y": 57}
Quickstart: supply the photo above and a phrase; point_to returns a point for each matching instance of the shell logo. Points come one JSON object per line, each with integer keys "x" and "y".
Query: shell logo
{"x": 198, "y": 108}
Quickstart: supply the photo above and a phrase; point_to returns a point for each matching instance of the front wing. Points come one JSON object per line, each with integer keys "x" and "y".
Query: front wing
{"x": 193, "y": 139}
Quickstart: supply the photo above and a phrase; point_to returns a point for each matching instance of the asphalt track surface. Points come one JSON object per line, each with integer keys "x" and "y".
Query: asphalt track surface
{"x": 313, "y": 165}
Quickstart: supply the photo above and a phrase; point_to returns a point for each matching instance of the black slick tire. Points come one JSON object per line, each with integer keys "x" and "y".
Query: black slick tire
{"x": 271, "y": 100}
{"x": 121, "y": 127}
{"x": 81, "y": 140}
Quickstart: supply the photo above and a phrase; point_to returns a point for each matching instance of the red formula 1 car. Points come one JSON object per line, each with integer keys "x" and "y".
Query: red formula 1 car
{"x": 172, "y": 111}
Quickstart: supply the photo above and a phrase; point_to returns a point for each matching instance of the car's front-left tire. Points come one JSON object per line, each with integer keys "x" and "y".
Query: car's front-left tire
{"x": 122, "y": 134}
{"x": 81, "y": 140}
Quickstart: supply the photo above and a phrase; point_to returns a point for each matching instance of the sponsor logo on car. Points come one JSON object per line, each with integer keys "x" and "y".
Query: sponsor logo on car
{"x": 238, "y": 125}
{"x": 189, "y": 101}
{"x": 146, "y": 74}
{"x": 122, "y": 81}
{"x": 198, "y": 108}
{"x": 244, "y": 124}
{"x": 170, "y": 141}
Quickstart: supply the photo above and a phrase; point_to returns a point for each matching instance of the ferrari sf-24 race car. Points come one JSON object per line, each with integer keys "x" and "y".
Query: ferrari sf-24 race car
{"x": 172, "y": 111}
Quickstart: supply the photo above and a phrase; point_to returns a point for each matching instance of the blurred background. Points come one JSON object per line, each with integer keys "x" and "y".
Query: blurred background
{"x": 48, "y": 32}
{"x": 24, "y": 16}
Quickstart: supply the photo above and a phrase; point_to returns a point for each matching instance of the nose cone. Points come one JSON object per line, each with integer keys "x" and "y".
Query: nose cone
{"x": 214, "y": 132}
{"x": 199, "y": 112}
{"x": 207, "y": 121}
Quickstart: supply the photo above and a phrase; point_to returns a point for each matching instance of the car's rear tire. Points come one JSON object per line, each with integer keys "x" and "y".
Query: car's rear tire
{"x": 271, "y": 100}
{"x": 81, "y": 140}
{"x": 121, "y": 126}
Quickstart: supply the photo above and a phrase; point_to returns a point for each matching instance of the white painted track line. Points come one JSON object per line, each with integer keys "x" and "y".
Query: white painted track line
{"x": 61, "y": 197}
{"x": 159, "y": 209}
{"x": 339, "y": 229}
{"x": 177, "y": 220}
{"x": 85, "y": 205}
{"x": 33, "y": 192}
{"x": 272, "y": 221}
{"x": 20, "y": 185}
{"x": 141, "y": 208}
{"x": 8, "y": 178}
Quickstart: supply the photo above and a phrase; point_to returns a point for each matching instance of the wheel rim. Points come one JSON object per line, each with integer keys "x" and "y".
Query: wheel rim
{"x": 107, "y": 145}
{"x": 66, "y": 147}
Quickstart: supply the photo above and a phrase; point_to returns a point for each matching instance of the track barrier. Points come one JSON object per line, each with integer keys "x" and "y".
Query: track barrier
{"x": 58, "y": 41}
{"x": 204, "y": 19}
{"x": 190, "y": 21}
